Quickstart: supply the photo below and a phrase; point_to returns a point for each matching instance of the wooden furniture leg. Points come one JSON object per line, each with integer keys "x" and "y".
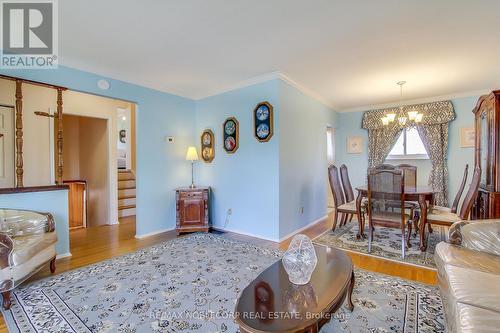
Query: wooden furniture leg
{"x": 423, "y": 220}
{"x": 361, "y": 221}
{"x": 53, "y": 265}
{"x": 350, "y": 305}
{"x": 335, "y": 220}
{"x": 6, "y": 300}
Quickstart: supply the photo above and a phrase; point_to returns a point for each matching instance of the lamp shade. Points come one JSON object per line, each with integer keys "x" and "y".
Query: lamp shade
{"x": 192, "y": 154}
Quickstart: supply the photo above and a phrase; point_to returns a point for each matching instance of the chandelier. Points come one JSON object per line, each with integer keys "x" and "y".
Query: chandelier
{"x": 413, "y": 116}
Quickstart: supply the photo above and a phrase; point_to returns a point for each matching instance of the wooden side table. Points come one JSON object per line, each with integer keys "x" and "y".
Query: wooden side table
{"x": 192, "y": 209}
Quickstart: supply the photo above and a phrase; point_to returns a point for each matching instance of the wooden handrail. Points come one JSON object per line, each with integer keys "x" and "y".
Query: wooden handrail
{"x": 37, "y": 83}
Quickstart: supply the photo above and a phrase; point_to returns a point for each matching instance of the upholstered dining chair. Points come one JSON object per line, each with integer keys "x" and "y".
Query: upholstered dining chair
{"x": 387, "y": 186}
{"x": 410, "y": 174}
{"x": 343, "y": 209}
{"x": 456, "y": 201}
{"x": 445, "y": 218}
{"x": 385, "y": 167}
{"x": 346, "y": 185}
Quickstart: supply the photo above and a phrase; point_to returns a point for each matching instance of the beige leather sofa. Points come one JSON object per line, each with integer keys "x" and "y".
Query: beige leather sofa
{"x": 27, "y": 242}
{"x": 469, "y": 276}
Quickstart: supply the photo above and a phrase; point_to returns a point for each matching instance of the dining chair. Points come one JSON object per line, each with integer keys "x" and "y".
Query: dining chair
{"x": 342, "y": 208}
{"x": 456, "y": 201}
{"x": 384, "y": 167}
{"x": 410, "y": 174}
{"x": 387, "y": 186}
{"x": 346, "y": 183}
{"x": 445, "y": 218}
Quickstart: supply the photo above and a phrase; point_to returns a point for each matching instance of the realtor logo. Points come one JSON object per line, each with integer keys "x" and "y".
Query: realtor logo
{"x": 29, "y": 34}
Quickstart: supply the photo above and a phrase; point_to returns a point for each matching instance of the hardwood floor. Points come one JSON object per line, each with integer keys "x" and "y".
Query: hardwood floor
{"x": 95, "y": 244}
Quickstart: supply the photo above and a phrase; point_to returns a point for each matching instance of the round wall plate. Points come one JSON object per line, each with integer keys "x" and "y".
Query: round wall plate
{"x": 103, "y": 84}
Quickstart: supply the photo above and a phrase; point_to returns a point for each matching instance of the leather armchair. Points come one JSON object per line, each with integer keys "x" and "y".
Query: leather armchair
{"x": 469, "y": 276}
{"x": 27, "y": 242}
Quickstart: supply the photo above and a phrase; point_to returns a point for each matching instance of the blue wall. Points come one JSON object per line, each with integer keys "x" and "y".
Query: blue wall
{"x": 303, "y": 159}
{"x": 457, "y": 156}
{"x": 55, "y": 202}
{"x": 161, "y": 167}
{"x": 247, "y": 181}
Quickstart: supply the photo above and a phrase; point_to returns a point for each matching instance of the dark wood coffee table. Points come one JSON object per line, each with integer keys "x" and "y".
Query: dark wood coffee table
{"x": 271, "y": 303}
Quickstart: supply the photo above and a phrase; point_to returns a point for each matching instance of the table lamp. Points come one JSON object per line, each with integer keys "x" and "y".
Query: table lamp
{"x": 192, "y": 155}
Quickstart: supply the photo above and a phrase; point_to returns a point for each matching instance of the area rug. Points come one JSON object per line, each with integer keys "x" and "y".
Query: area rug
{"x": 386, "y": 243}
{"x": 191, "y": 284}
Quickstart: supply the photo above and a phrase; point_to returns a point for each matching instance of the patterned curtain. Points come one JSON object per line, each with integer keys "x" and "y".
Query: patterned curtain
{"x": 435, "y": 139}
{"x": 380, "y": 143}
{"x": 433, "y": 131}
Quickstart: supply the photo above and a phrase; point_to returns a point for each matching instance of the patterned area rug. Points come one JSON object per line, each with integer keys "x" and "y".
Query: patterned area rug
{"x": 191, "y": 284}
{"x": 386, "y": 243}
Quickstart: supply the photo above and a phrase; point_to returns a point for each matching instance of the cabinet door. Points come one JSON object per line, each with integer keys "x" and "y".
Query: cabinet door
{"x": 192, "y": 212}
{"x": 486, "y": 144}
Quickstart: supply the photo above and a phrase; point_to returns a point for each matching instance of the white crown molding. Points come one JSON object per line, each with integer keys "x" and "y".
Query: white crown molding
{"x": 242, "y": 84}
{"x": 418, "y": 101}
{"x": 277, "y": 75}
{"x": 305, "y": 90}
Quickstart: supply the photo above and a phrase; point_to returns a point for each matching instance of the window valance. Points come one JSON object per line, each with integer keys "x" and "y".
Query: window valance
{"x": 434, "y": 113}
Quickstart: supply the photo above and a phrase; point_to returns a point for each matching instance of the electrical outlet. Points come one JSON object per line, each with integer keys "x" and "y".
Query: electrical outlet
{"x": 169, "y": 139}
{"x": 229, "y": 211}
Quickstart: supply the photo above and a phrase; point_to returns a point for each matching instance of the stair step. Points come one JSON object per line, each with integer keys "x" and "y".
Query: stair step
{"x": 126, "y": 212}
{"x": 126, "y": 202}
{"x": 123, "y": 184}
{"x": 128, "y": 192}
{"x": 126, "y": 207}
{"x": 125, "y": 175}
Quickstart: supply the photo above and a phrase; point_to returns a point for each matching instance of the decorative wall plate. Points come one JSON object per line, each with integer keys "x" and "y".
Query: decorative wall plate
{"x": 207, "y": 146}
{"x": 263, "y": 121}
{"x": 230, "y": 128}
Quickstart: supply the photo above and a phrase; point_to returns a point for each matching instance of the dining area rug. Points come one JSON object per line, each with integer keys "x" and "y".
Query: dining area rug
{"x": 386, "y": 243}
{"x": 191, "y": 284}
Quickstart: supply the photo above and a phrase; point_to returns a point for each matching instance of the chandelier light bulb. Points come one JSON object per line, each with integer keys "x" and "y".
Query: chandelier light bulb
{"x": 412, "y": 115}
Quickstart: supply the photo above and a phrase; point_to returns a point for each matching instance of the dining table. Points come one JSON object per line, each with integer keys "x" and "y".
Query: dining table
{"x": 422, "y": 194}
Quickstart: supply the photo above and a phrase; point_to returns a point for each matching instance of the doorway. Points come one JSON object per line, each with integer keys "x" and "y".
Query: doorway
{"x": 85, "y": 154}
{"x": 330, "y": 156}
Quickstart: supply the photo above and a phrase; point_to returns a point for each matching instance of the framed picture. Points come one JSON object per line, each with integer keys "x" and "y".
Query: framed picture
{"x": 230, "y": 128}
{"x": 207, "y": 146}
{"x": 263, "y": 122}
{"x": 354, "y": 144}
{"x": 467, "y": 137}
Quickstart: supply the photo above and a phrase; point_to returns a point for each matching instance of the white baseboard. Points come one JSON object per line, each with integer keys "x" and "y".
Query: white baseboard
{"x": 245, "y": 233}
{"x": 63, "y": 255}
{"x": 149, "y": 234}
{"x": 303, "y": 228}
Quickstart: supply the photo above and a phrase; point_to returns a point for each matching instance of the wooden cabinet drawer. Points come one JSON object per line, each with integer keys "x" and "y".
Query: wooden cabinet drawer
{"x": 191, "y": 195}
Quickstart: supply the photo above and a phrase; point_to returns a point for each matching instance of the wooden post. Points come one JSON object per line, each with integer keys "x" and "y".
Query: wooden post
{"x": 19, "y": 134}
{"x": 59, "y": 171}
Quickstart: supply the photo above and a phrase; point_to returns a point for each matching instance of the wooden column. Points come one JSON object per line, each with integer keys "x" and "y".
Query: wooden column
{"x": 19, "y": 134}
{"x": 59, "y": 119}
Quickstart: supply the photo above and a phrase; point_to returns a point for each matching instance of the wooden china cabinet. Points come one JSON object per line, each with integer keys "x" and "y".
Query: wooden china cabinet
{"x": 487, "y": 156}
{"x": 192, "y": 209}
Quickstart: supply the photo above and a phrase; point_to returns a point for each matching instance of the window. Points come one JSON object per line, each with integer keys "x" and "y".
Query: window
{"x": 408, "y": 146}
{"x": 330, "y": 145}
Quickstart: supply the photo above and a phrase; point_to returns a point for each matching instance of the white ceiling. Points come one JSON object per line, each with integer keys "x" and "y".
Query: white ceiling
{"x": 351, "y": 53}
